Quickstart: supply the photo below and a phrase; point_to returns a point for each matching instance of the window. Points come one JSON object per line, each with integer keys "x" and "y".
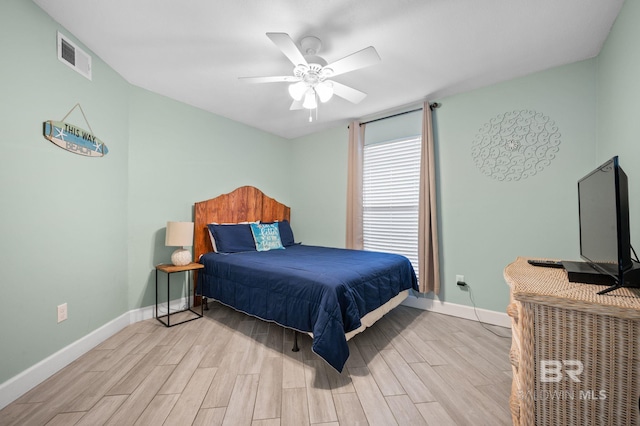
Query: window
{"x": 391, "y": 180}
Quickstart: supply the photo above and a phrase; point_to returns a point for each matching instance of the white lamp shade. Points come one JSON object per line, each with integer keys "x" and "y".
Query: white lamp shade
{"x": 310, "y": 100}
{"x": 324, "y": 90}
{"x": 296, "y": 90}
{"x": 179, "y": 234}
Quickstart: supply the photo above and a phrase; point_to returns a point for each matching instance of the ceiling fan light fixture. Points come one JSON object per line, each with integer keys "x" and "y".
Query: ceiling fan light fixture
{"x": 311, "y": 73}
{"x": 310, "y": 100}
{"x": 324, "y": 90}
{"x": 297, "y": 90}
{"x": 326, "y": 72}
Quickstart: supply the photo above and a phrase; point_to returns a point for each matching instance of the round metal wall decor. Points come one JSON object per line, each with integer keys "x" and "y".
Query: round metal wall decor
{"x": 516, "y": 145}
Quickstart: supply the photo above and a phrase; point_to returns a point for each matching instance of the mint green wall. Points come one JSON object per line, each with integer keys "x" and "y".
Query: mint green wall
{"x": 618, "y": 95}
{"x": 88, "y": 231}
{"x": 180, "y": 155}
{"x": 319, "y": 176}
{"x": 484, "y": 224}
{"x": 318, "y": 187}
{"x": 64, "y": 216}
{"x": 396, "y": 127}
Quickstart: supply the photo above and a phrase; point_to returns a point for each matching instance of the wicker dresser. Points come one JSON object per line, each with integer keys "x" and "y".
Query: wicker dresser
{"x": 575, "y": 355}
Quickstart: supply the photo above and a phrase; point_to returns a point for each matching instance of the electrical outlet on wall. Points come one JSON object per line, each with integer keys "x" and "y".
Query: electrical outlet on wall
{"x": 62, "y": 312}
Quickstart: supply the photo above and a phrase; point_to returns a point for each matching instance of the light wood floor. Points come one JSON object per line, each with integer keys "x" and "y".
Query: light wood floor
{"x": 412, "y": 367}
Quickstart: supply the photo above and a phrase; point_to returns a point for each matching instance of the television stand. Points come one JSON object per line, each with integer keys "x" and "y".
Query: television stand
{"x": 561, "y": 332}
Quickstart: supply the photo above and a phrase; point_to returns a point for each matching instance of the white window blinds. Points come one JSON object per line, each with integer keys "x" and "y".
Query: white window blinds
{"x": 391, "y": 179}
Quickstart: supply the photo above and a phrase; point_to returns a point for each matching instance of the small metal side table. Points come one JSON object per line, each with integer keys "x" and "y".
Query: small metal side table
{"x": 170, "y": 269}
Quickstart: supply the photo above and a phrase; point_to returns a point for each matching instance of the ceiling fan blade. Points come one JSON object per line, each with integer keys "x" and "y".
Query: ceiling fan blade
{"x": 274, "y": 79}
{"x": 288, "y": 47}
{"x": 348, "y": 93}
{"x": 296, "y": 105}
{"x": 360, "y": 59}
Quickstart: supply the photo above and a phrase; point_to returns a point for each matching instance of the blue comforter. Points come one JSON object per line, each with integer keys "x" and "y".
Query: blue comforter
{"x": 318, "y": 289}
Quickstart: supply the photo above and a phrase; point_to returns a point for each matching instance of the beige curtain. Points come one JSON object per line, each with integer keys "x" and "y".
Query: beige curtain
{"x": 354, "y": 186}
{"x": 428, "y": 251}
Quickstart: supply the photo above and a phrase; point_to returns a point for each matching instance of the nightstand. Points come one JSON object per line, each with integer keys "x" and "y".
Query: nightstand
{"x": 170, "y": 269}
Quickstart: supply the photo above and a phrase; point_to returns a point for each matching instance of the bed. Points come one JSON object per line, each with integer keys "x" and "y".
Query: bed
{"x": 330, "y": 293}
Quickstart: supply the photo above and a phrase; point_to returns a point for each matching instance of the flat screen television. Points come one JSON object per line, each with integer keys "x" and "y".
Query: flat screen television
{"x": 605, "y": 242}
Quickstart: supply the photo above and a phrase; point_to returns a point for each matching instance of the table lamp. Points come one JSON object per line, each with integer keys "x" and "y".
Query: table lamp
{"x": 180, "y": 234}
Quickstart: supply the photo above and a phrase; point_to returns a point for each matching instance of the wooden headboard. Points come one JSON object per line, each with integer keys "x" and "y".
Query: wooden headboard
{"x": 245, "y": 204}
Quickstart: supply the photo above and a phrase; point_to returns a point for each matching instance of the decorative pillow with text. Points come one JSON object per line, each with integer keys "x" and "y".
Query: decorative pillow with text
{"x": 266, "y": 236}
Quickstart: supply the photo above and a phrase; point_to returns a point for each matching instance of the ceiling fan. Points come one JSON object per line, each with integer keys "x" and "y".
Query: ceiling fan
{"x": 311, "y": 73}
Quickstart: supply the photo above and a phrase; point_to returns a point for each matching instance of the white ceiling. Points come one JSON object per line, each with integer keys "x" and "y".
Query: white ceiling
{"x": 194, "y": 51}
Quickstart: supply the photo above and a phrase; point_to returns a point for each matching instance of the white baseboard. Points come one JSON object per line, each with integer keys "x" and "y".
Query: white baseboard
{"x": 148, "y": 312}
{"x": 142, "y": 314}
{"x": 18, "y": 385}
{"x": 21, "y": 383}
{"x": 461, "y": 311}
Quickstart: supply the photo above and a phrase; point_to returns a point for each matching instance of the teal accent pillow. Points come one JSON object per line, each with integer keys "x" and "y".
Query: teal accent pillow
{"x": 266, "y": 236}
{"x": 286, "y": 234}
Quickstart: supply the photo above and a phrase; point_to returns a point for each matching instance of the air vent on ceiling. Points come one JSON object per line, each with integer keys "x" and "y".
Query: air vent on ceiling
{"x": 73, "y": 56}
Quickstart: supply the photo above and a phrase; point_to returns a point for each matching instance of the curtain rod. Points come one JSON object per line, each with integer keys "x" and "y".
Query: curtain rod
{"x": 431, "y": 106}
